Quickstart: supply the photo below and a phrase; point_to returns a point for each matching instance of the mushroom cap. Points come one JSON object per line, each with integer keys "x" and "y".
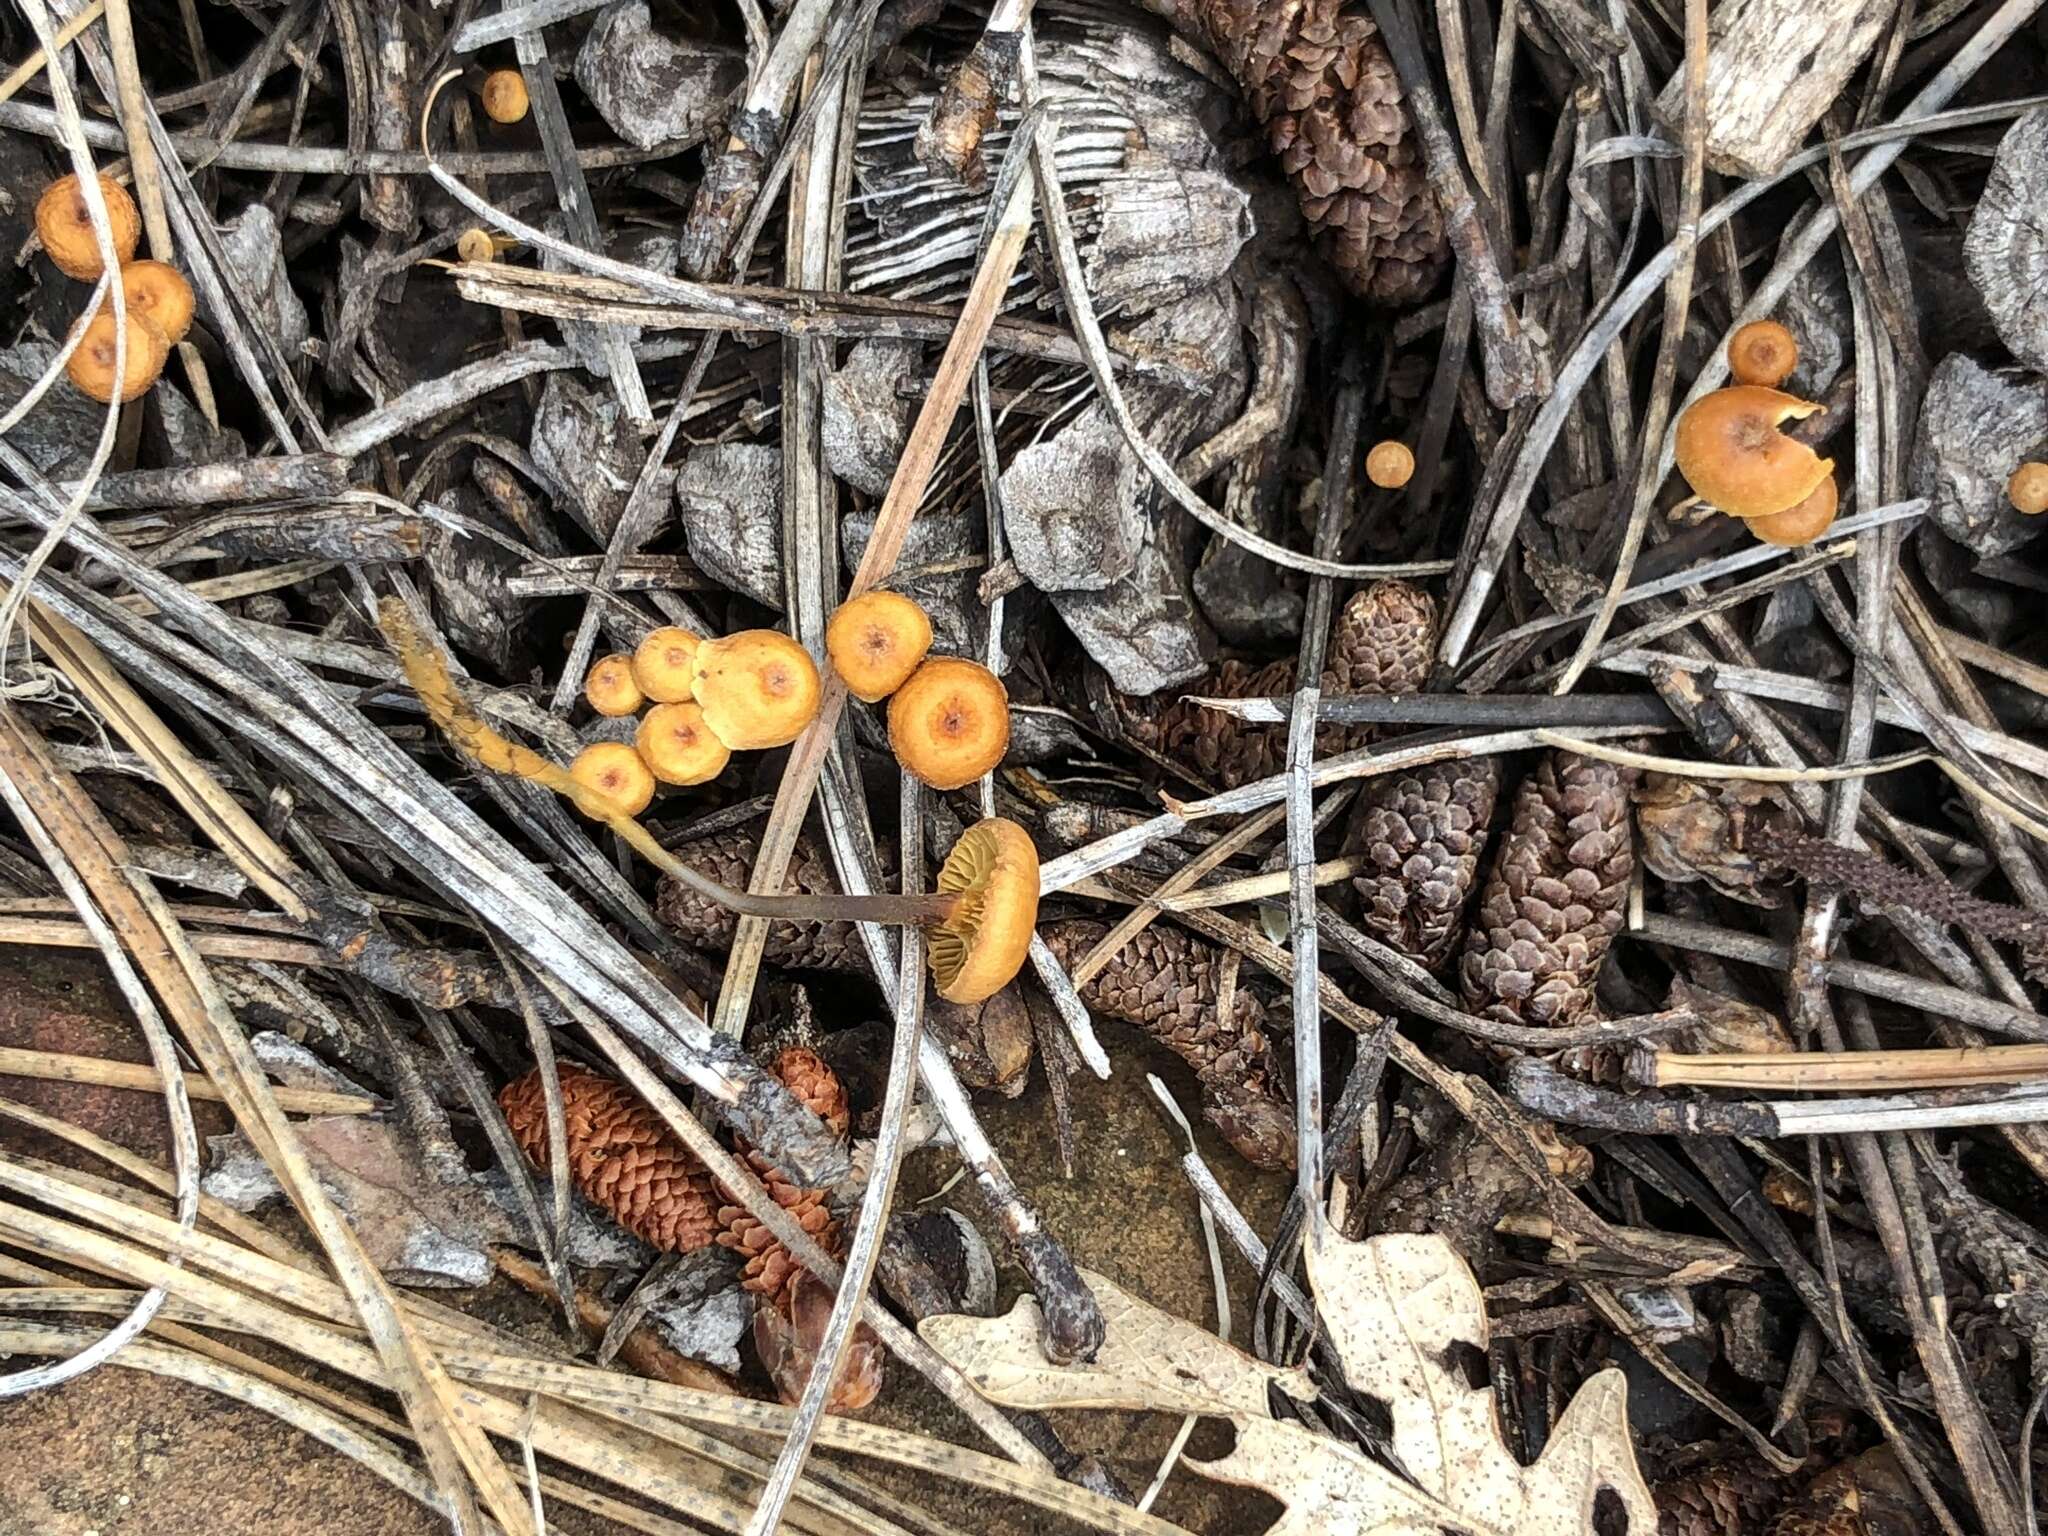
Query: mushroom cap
{"x": 504, "y": 96}
{"x": 1802, "y": 523}
{"x": 875, "y": 642}
{"x": 950, "y": 723}
{"x": 663, "y": 664}
{"x": 614, "y": 770}
{"x": 980, "y": 947}
{"x": 65, "y": 227}
{"x": 2027, "y": 490}
{"x": 1763, "y": 352}
{"x": 1390, "y": 464}
{"x": 91, "y": 364}
{"x": 678, "y": 746}
{"x": 759, "y": 689}
{"x": 158, "y": 292}
{"x": 611, "y": 688}
{"x": 1733, "y": 455}
{"x": 475, "y": 245}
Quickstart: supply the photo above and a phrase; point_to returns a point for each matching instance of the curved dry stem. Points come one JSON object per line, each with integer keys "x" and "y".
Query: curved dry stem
{"x": 475, "y": 738}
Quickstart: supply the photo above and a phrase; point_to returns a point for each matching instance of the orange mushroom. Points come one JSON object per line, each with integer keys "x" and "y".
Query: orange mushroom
{"x": 663, "y": 664}
{"x": 91, "y": 365}
{"x": 1390, "y": 465}
{"x": 1800, "y": 524}
{"x": 876, "y": 641}
{"x": 504, "y": 96}
{"x": 759, "y": 688}
{"x": 611, "y": 688}
{"x": 158, "y": 292}
{"x": 678, "y": 746}
{"x": 476, "y": 245}
{"x": 980, "y": 946}
{"x": 64, "y": 226}
{"x": 1763, "y": 352}
{"x": 614, "y": 770}
{"x": 1731, "y": 452}
{"x": 2028, "y": 488}
{"x": 950, "y": 723}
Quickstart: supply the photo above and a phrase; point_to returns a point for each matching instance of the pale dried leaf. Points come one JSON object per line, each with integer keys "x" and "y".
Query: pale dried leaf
{"x": 1147, "y": 1360}
{"x": 1401, "y": 1311}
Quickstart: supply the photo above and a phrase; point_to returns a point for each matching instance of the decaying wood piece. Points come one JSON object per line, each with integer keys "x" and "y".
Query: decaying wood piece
{"x": 1774, "y": 67}
{"x": 2007, "y": 245}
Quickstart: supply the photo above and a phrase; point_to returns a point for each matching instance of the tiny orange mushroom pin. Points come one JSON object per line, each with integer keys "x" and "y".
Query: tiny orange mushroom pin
{"x": 2027, "y": 490}
{"x": 64, "y": 225}
{"x": 1731, "y": 452}
{"x": 950, "y": 723}
{"x": 664, "y": 662}
{"x": 610, "y": 686}
{"x": 158, "y": 292}
{"x": 91, "y": 364}
{"x": 615, "y": 771}
{"x": 1763, "y": 352}
{"x": 504, "y": 96}
{"x": 1802, "y": 522}
{"x": 876, "y": 641}
{"x": 678, "y": 746}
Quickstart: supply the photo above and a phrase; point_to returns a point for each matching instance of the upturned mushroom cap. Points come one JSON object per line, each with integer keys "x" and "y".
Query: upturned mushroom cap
{"x": 980, "y": 947}
{"x": 875, "y": 642}
{"x": 2027, "y": 490}
{"x": 1763, "y": 352}
{"x": 91, "y": 365}
{"x": 1733, "y": 455}
{"x": 65, "y": 227}
{"x": 610, "y": 687}
{"x": 678, "y": 746}
{"x": 1390, "y": 465}
{"x": 758, "y": 687}
{"x": 664, "y": 663}
{"x": 614, "y": 770}
{"x": 504, "y": 96}
{"x": 159, "y": 293}
{"x": 1800, "y": 524}
{"x": 950, "y": 723}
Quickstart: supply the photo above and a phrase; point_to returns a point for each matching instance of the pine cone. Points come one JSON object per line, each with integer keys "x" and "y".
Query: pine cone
{"x": 1424, "y": 832}
{"x": 1553, "y": 899}
{"x": 1167, "y": 982}
{"x": 769, "y": 1272}
{"x": 621, "y": 1156}
{"x": 1382, "y": 642}
{"x": 1317, "y": 75}
{"x": 1868, "y": 1495}
{"x": 1733, "y": 1496}
{"x": 728, "y": 857}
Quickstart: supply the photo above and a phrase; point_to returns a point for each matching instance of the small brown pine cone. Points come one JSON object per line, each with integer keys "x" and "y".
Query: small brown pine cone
{"x": 769, "y": 1271}
{"x": 1553, "y": 899}
{"x": 621, "y": 1156}
{"x": 1167, "y": 982}
{"x": 1317, "y": 75}
{"x": 728, "y": 857}
{"x": 1733, "y": 1496}
{"x": 1868, "y": 1495}
{"x": 1424, "y": 832}
{"x": 803, "y": 1072}
{"x": 1381, "y": 642}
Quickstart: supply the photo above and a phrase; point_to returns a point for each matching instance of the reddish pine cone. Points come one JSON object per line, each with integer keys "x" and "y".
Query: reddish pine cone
{"x": 1553, "y": 899}
{"x": 1424, "y": 832}
{"x": 769, "y": 1271}
{"x": 728, "y": 857}
{"x": 1167, "y": 982}
{"x": 1318, "y": 76}
{"x": 1383, "y": 641}
{"x": 621, "y": 1156}
{"x": 1734, "y": 1496}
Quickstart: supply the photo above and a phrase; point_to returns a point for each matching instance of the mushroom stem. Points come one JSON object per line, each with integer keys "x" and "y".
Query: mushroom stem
{"x": 447, "y": 707}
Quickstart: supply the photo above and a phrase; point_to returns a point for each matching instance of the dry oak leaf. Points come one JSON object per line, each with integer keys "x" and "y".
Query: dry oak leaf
{"x": 1401, "y": 1309}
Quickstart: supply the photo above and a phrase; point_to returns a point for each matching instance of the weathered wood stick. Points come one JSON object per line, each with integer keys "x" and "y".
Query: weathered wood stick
{"x": 1959, "y": 1067}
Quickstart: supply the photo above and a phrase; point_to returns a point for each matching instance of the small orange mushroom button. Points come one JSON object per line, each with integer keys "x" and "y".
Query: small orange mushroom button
{"x": 678, "y": 746}
{"x": 1763, "y": 352}
{"x": 950, "y": 723}
{"x": 64, "y": 225}
{"x": 1802, "y": 522}
{"x": 875, "y": 642}
{"x": 758, "y": 687}
{"x": 980, "y": 946}
{"x": 2028, "y": 488}
{"x": 1390, "y": 464}
{"x": 664, "y": 663}
{"x": 1731, "y": 452}
{"x": 159, "y": 293}
{"x": 615, "y": 771}
{"x": 91, "y": 365}
{"x": 610, "y": 687}
{"x": 504, "y": 95}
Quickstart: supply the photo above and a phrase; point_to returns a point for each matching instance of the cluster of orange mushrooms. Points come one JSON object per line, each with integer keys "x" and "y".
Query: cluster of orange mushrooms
{"x": 949, "y": 723}
{"x": 158, "y": 299}
{"x": 1733, "y": 455}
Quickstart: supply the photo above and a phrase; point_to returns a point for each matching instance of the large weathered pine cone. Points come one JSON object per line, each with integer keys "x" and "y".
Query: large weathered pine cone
{"x": 1168, "y": 983}
{"x": 1553, "y": 900}
{"x": 1424, "y": 832}
{"x": 1383, "y": 641}
{"x": 1318, "y": 76}
{"x": 621, "y": 1156}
